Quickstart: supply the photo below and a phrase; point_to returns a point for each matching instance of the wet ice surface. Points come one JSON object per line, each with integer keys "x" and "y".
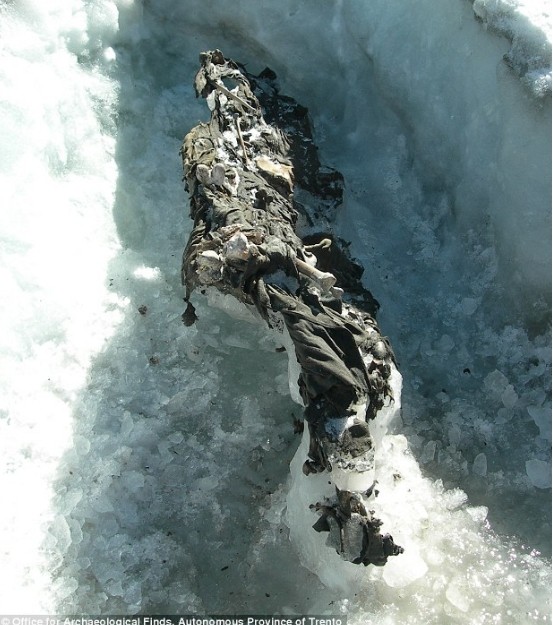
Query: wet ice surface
{"x": 140, "y": 470}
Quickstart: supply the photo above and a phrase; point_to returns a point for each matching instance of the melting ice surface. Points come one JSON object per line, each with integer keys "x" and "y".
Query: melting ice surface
{"x": 145, "y": 465}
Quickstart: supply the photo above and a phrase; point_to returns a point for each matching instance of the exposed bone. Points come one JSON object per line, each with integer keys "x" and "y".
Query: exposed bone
{"x": 241, "y": 138}
{"x": 231, "y": 95}
{"x": 324, "y": 279}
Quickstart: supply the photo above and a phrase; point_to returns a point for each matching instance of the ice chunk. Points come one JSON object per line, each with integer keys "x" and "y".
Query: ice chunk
{"x": 103, "y": 570}
{"x": 240, "y": 342}
{"x": 61, "y": 532}
{"x": 109, "y": 54}
{"x": 176, "y": 438}
{"x": 70, "y": 500}
{"x": 102, "y": 504}
{"x": 509, "y": 397}
{"x": 84, "y": 562}
{"x": 127, "y": 424}
{"x": 428, "y": 452}
{"x": 478, "y": 513}
{"x": 76, "y": 531}
{"x": 132, "y": 480}
{"x": 400, "y": 572}
{"x": 81, "y": 445}
{"x": 445, "y": 344}
{"x": 539, "y": 473}
{"x": 480, "y": 465}
{"x": 469, "y": 305}
{"x": 496, "y": 382}
{"x": 207, "y": 483}
{"x": 504, "y": 415}
{"x": 193, "y": 395}
{"x": 542, "y": 418}
{"x": 231, "y": 306}
{"x": 455, "y": 498}
{"x": 133, "y": 593}
{"x": 109, "y": 526}
{"x": 114, "y": 587}
{"x": 281, "y": 384}
{"x": 454, "y": 435}
{"x": 64, "y": 587}
{"x": 458, "y": 594}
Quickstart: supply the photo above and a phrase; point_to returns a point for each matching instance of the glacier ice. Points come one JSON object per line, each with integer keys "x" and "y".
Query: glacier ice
{"x": 446, "y": 154}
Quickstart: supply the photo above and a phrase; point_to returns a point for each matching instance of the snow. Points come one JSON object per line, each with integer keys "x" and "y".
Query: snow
{"x": 141, "y": 457}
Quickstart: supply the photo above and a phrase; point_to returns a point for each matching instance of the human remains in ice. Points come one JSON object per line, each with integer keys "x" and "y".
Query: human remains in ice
{"x": 262, "y": 206}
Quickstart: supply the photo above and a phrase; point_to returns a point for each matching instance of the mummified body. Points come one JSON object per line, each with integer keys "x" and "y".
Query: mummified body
{"x": 253, "y": 187}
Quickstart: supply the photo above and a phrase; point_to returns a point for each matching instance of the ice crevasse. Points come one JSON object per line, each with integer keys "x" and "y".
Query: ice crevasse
{"x": 139, "y": 471}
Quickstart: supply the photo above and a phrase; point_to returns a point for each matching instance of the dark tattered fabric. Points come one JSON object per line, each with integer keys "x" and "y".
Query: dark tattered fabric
{"x": 262, "y": 205}
{"x": 331, "y": 364}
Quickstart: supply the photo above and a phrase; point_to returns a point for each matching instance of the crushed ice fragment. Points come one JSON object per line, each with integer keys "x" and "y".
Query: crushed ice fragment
{"x": 455, "y": 498}
{"x": 509, "y": 397}
{"x": 445, "y": 344}
{"x": 110, "y": 527}
{"x": 132, "y": 480}
{"x": 539, "y": 473}
{"x": 207, "y": 483}
{"x": 133, "y": 593}
{"x": 61, "y": 532}
{"x": 84, "y": 563}
{"x": 458, "y": 594}
{"x": 65, "y": 586}
{"x": 109, "y": 54}
{"x": 428, "y": 452}
{"x": 542, "y": 418}
{"x": 478, "y": 513}
{"x": 399, "y": 573}
{"x": 480, "y": 465}
{"x": 102, "y": 504}
{"x": 82, "y": 445}
{"x": 70, "y": 500}
{"x": 469, "y": 305}
{"x": 454, "y": 434}
{"x": 147, "y": 273}
{"x": 127, "y": 424}
{"x": 114, "y": 588}
{"x": 496, "y": 382}
{"x": 76, "y": 531}
{"x": 176, "y": 438}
